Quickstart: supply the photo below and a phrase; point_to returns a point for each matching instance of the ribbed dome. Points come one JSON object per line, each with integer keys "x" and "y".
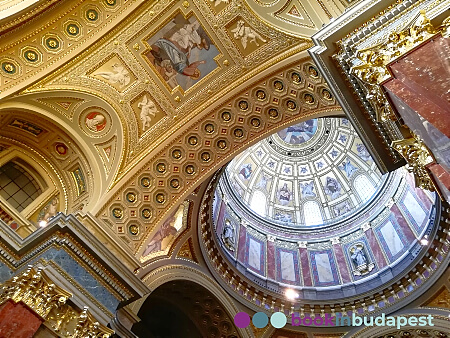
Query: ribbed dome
{"x": 308, "y": 174}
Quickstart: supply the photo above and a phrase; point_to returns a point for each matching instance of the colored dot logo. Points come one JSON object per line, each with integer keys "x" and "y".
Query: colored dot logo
{"x": 260, "y": 320}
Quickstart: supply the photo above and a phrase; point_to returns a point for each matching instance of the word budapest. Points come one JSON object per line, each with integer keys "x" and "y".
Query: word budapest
{"x": 367, "y": 321}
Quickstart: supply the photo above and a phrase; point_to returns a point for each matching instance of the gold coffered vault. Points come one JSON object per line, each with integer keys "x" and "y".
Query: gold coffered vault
{"x": 118, "y": 117}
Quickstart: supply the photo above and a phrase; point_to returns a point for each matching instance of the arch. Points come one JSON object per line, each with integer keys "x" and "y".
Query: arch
{"x": 169, "y": 273}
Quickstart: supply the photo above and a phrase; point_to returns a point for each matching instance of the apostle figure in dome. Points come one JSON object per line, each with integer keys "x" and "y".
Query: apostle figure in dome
{"x": 284, "y": 195}
{"x": 246, "y": 171}
{"x": 358, "y": 255}
{"x": 332, "y": 188}
{"x": 228, "y": 235}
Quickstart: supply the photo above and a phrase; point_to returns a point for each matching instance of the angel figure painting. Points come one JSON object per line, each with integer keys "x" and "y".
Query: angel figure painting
{"x": 148, "y": 110}
{"x": 165, "y": 235}
{"x": 182, "y": 52}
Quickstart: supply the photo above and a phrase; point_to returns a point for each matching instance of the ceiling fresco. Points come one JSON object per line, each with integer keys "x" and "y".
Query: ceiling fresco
{"x": 160, "y": 94}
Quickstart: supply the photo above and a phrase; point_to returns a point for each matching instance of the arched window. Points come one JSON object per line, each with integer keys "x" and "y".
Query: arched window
{"x": 17, "y": 186}
{"x": 313, "y": 215}
{"x": 364, "y": 188}
{"x": 258, "y": 203}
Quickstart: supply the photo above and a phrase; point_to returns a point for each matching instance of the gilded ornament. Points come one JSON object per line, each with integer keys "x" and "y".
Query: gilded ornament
{"x": 238, "y": 132}
{"x": 161, "y": 167}
{"x": 243, "y": 105}
{"x": 291, "y": 105}
{"x": 145, "y": 182}
{"x": 176, "y": 154}
{"x": 327, "y": 95}
{"x": 8, "y": 67}
{"x": 73, "y": 29}
{"x": 160, "y": 198}
{"x": 226, "y": 62}
{"x": 418, "y": 157}
{"x": 134, "y": 229}
{"x": 136, "y": 46}
{"x": 255, "y": 122}
{"x": 222, "y": 144}
{"x": 110, "y": 2}
{"x": 175, "y": 183}
{"x": 260, "y": 94}
{"x": 185, "y": 4}
{"x": 190, "y": 169}
{"x": 193, "y": 140}
{"x": 226, "y": 116}
{"x": 146, "y": 213}
{"x": 31, "y": 56}
{"x": 209, "y": 128}
{"x": 117, "y": 213}
{"x": 273, "y": 113}
{"x": 309, "y": 99}
{"x": 87, "y": 326}
{"x": 205, "y": 156}
{"x": 296, "y": 78}
{"x": 91, "y": 15}
{"x": 313, "y": 72}
{"x": 52, "y": 43}
{"x": 372, "y": 68}
{"x": 278, "y": 85}
{"x": 131, "y": 197}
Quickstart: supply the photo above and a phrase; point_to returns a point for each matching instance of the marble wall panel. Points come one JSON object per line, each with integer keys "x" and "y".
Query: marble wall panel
{"x": 255, "y": 255}
{"x": 323, "y": 268}
{"x": 342, "y": 263}
{"x": 271, "y": 266}
{"x": 376, "y": 248}
{"x": 287, "y": 266}
{"x": 392, "y": 238}
{"x": 414, "y": 210}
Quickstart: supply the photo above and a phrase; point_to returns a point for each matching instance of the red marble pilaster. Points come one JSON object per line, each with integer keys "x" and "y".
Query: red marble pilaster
{"x": 410, "y": 237}
{"x": 376, "y": 249}
{"x": 440, "y": 174}
{"x": 304, "y": 261}
{"x": 18, "y": 320}
{"x": 271, "y": 260}
{"x": 242, "y": 243}
{"x": 420, "y": 80}
{"x": 340, "y": 260}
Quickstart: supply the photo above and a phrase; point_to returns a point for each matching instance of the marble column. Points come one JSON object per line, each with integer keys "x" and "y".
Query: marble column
{"x": 17, "y": 320}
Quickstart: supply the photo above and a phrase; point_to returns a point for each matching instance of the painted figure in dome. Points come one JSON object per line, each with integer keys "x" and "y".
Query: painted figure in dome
{"x": 284, "y": 195}
{"x": 332, "y": 188}
{"x": 246, "y": 171}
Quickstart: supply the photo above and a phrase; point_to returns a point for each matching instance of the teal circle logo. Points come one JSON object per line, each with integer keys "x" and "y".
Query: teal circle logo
{"x": 260, "y": 320}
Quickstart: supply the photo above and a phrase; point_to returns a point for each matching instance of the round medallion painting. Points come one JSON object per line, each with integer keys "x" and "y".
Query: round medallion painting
{"x": 299, "y": 133}
{"x": 95, "y": 121}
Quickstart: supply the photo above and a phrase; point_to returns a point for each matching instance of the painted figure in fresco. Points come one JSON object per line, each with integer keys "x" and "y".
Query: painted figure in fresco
{"x": 358, "y": 255}
{"x": 244, "y": 33}
{"x": 300, "y": 132}
{"x": 168, "y": 73}
{"x": 263, "y": 181}
{"x": 95, "y": 121}
{"x": 166, "y": 230}
{"x": 342, "y": 209}
{"x": 218, "y": 2}
{"x": 308, "y": 189}
{"x": 49, "y": 210}
{"x": 362, "y": 152}
{"x": 348, "y": 168}
{"x": 228, "y": 235}
{"x": 284, "y": 195}
{"x": 119, "y": 75}
{"x": 332, "y": 188}
{"x": 246, "y": 171}
{"x": 148, "y": 109}
{"x": 283, "y": 217}
{"x": 177, "y": 47}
